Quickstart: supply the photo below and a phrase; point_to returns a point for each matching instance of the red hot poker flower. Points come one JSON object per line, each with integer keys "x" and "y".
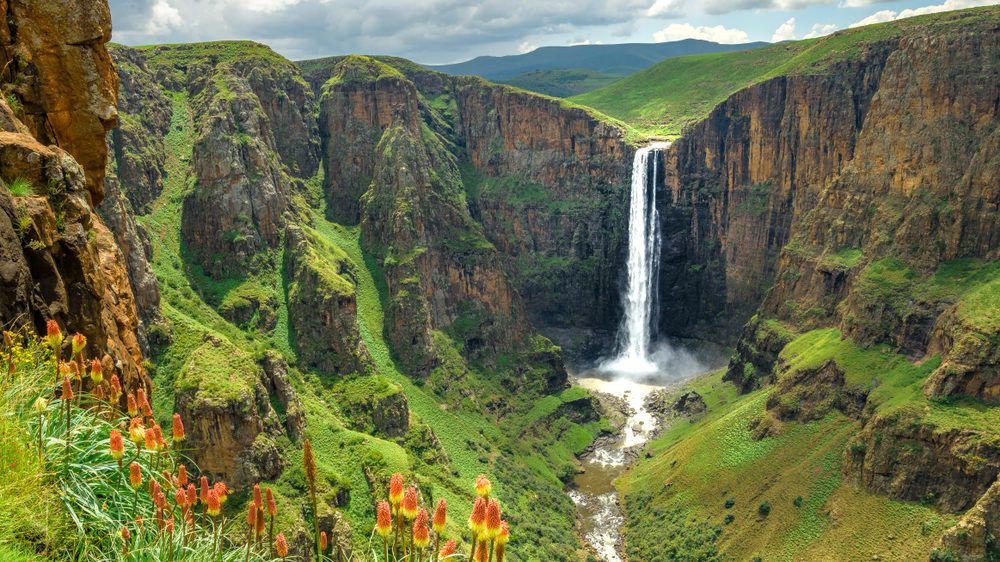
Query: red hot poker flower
{"x": 192, "y": 496}
{"x": 492, "y": 519}
{"x": 214, "y": 507}
{"x": 116, "y": 389}
{"x": 421, "y": 537}
{"x": 409, "y": 505}
{"x": 132, "y": 408}
{"x": 396, "y": 489}
{"x": 447, "y": 550}
{"x": 53, "y": 335}
{"x": 181, "y": 498}
{"x": 440, "y": 516}
{"x": 140, "y": 398}
{"x": 136, "y": 431}
{"x": 150, "y": 438}
{"x": 96, "y": 371}
{"x": 322, "y": 541}
{"x": 221, "y": 490}
{"x": 79, "y": 341}
{"x": 134, "y": 475}
{"x": 67, "y": 389}
{"x": 116, "y": 445}
{"x": 203, "y": 494}
{"x": 258, "y": 500}
{"x": 504, "y": 535}
{"x": 477, "y": 520}
{"x": 182, "y": 476}
{"x": 281, "y": 545}
{"x": 481, "y": 552}
{"x": 383, "y": 519}
{"x": 483, "y": 486}
{"x": 178, "y": 429}
{"x": 272, "y": 508}
{"x": 251, "y": 515}
{"x": 158, "y": 434}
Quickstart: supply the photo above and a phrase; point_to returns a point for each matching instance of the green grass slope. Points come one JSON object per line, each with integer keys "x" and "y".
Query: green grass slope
{"x": 564, "y": 82}
{"x": 662, "y": 99}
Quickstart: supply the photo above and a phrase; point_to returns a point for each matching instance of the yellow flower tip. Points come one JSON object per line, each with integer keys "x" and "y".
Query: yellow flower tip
{"x": 409, "y": 505}
{"x": 440, "y": 517}
{"x": 483, "y": 486}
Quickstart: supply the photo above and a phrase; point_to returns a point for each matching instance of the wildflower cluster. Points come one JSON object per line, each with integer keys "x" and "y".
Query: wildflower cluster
{"x": 402, "y": 519}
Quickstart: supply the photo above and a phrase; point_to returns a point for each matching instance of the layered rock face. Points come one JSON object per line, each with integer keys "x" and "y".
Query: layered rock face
{"x": 63, "y": 76}
{"x": 59, "y": 260}
{"x": 322, "y": 299}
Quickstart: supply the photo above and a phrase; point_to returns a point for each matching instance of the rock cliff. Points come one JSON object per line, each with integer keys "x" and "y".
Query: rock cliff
{"x": 59, "y": 259}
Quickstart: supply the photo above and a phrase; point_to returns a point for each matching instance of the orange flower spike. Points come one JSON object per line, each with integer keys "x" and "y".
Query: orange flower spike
{"x": 421, "y": 536}
{"x": 396, "y": 489}
{"x": 258, "y": 499}
{"x": 492, "y": 519}
{"x": 116, "y": 389}
{"x": 409, "y": 505}
{"x": 78, "y": 342}
{"x": 134, "y": 475}
{"x": 150, "y": 439}
{"x": 481, "y": 552}
{"x": 483, "y": 486}
{"x": 203, "y": 495}
{"x": 322, "y": 541}
{"x": 440, "y": 517}
{"x": 477, "y": 520}
{"x": 170, "y": 525}
{"x": 251, "y": 515}
{"x": 96, "y": 371}
{"x": 281, "y": 545}
{"x": 504, "y": 535}
{"x": 272, "y": 508}
{"x": 125, "y": 538}
{"x": 214, "y": 506}
{"x": 180, "y": 498}
{"x": 383, "y": 519}
{"x": 67, "y": 389}
{"x": 143, "y": 402}
{"x": 136, "y": 431}
{"x": 116, "y": 445}
{"x": 158, "y": 434}
{"x": 154, "y": 489}
{"x": 259, "y": 528}
{"x": 222, "y": 491}
{"x": 178, "y": 429}
{"x": 182, "y": 476}
{"x": 192, "y": 496}
{"x": 132, "y": 408}
{"x": 52, "y": 334}
{"x": 448, "y": 549}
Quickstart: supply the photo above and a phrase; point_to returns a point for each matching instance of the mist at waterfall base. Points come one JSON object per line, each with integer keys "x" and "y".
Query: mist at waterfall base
{"x": 668, "y": 362}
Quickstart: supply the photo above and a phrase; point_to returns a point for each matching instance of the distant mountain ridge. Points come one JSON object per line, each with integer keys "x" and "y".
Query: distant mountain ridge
{"x": 621, "y": 59}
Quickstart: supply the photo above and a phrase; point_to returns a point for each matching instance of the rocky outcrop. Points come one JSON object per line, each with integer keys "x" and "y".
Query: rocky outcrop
{"x": 236, "y": 210}
{"x": 811, "y": 394}
{"x": 374, "y": 405}
{"x": 58, "y": 260}
{"x": 899, "y": 457}
{"x": 58, "y": 68}
{"x": 976, "y": 537}
{"x": 972, "y": 351}
{"x": 137, "y": 143}
{"x": 224, "y": 403}
{"x": 360, "y": 101}
{"x": 322, "y": 305}
{"x": 277, "y": 384}
{"x": 689, "y": 404}
{"x": 756, "y": 353}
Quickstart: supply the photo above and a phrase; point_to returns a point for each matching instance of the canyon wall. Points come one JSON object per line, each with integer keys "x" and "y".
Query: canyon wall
{"x": 59, "y": 260}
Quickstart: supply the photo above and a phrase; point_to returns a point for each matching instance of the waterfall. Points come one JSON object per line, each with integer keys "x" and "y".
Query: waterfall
{"x": 639, "y": 298}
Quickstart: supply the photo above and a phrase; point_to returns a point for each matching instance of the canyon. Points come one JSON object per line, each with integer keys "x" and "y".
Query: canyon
{"x": 409, "y": 266}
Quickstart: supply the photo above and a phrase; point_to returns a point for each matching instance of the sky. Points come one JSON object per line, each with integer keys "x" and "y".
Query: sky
{"x": 447, "y": 31}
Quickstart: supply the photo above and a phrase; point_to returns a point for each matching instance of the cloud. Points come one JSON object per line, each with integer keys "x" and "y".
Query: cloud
{"x": 716, "y": 7}
{"x": 425, "y": 30}
{"x": 666, "y": 9}
{"x": 719, "y": 34}
{"x": 163, "y": 19}
{"x": 785, "y": 31}
{"x": 948, "y": 5}
{"x": 820, "y": 29}
{"x": 861, "y": 3}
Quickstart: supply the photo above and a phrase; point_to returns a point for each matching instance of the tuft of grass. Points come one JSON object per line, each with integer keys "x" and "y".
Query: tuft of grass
{"x": 21, "y": 187}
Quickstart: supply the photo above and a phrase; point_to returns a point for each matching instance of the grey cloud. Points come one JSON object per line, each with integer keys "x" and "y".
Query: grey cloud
{"x": 426, "y": 30}
{"x": 716, "y": 7}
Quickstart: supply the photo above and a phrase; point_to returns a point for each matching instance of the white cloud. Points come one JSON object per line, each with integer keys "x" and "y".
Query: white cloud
{"x": 265, "y": 6}
{"x": 861, "y": 3}
{"x": 666, "y": 9}
{"x": 820, "y": 29}
{"x": 526, "y": 47}
{"x": 948, "y": 5}
{"x": 717, "y": 33}
{"x": 163, "y": 18}
{"x": 716, "y": 7}
{"x": 785, "y": 31}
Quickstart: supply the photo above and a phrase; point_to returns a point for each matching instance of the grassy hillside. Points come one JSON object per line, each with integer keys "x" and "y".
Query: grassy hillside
{"x": 664, "y": 98}
{"x": 563, "y": 83}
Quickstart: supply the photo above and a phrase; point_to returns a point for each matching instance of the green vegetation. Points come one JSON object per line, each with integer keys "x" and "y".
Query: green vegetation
{"x": 182, "y": 55}
{"x": 563, "y": 83}
{"x": 709, "y": 482}
{"x": 21, "y": 187}
{"x": 356, "y": 69}
{"x": 663, "y": 99}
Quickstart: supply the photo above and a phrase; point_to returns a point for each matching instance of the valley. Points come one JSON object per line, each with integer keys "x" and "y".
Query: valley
{"x": 740, "y": 304}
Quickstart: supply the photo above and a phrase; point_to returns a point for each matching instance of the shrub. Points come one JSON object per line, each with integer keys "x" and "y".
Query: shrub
{"x": 765, "y": 509}
{"x": 21, "y": 188}
{"x": 730, "y": 503}
{"x": 797, "y": 502}
{"x": 729, "y": 518}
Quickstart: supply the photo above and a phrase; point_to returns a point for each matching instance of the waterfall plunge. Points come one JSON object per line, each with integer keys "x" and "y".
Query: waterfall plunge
{"x": 634, "y": 335}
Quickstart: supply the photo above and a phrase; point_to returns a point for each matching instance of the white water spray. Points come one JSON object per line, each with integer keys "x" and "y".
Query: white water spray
{"x": 634, "y": 336}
